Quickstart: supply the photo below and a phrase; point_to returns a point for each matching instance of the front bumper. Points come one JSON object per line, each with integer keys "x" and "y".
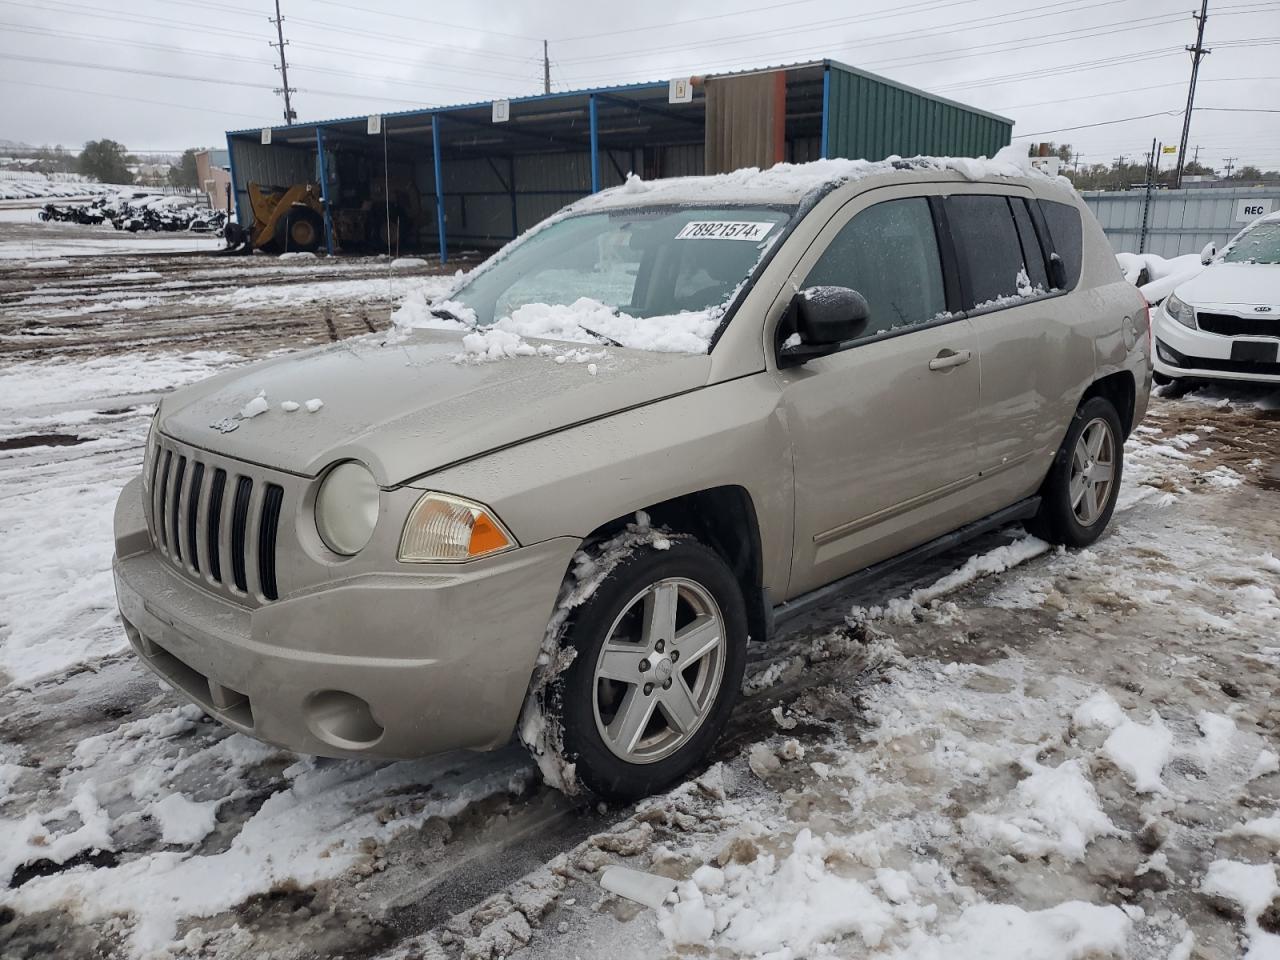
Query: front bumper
{"x": 433, "y": 659}
{"x": 1182, "y": 352}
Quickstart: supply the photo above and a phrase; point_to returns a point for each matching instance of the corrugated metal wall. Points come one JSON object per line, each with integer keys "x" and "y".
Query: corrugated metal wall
{"x": 272, "y": 165}
{"x": 1178, "y": 221}
{"x": 871, "y": 120}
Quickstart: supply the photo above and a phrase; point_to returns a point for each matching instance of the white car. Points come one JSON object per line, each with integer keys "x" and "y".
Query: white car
{"x": 1224, "y": 323}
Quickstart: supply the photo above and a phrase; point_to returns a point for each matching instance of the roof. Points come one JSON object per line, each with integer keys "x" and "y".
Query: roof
{"x": 791, "y": 183}
{"x": 654, "y": 90}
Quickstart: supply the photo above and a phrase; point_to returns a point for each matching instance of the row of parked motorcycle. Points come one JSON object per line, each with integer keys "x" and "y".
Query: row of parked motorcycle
{"x": 136, "y": 211}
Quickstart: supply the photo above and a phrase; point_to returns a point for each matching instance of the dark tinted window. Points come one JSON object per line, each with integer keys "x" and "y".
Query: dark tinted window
{"x": 1063, "y": 221}
{"x": 889, "y": 254}
{"x": 987, "y": 247}
{"x": 1032, "y": 255}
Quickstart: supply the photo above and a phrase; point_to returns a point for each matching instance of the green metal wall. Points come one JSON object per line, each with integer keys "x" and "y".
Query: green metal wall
{"x": 871, "y": 120}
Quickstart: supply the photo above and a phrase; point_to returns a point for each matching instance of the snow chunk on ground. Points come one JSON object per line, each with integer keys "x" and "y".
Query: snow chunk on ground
{"x": 766, "y": 906}
{"x": 988, "y": 931}
{"x": 1141, "y": 750}
{"x": 184, "y": 821}
{"x": 1100, "y": 710}
{"x": 297, "y": 255}
{"x": 1252, "y": 886}
{"x": 1266, "y": 762}
{"x": 1055, "y": 810}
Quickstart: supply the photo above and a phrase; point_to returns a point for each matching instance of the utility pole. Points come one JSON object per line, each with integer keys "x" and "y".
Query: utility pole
{"x": 1196, "y": 158}
{"x": 546, "y": 69}
{"x": 1153, "y": 164}
{"x": 289, "y": 113}
{"x": 1120, "y": 172}
{"x": 1198, "y": 53}
{"x": 1230, "y": 162}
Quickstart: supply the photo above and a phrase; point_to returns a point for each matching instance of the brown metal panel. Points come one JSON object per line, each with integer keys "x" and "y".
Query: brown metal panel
{"x": 745, "y": 121}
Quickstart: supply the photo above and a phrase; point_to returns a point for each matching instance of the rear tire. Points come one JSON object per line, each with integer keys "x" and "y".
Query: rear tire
{"x": 660, "y": 653}
{"x": 1079, "y": 494}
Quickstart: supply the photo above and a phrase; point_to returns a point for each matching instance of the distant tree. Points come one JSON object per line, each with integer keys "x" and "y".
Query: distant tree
{"x": 183, "y": 173}
{"x": 1193, "y": 169}
{"x": 106, "y": 161}
{"x": 1060, "y": 150}
{"x": 1248, "y": 172}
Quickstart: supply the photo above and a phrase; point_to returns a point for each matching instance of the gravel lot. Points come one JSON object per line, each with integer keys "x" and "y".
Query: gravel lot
{"x": 1008, "y": 752}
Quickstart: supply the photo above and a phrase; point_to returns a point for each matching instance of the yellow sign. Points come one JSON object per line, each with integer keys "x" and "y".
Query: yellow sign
{"x": 1170, "y": 150}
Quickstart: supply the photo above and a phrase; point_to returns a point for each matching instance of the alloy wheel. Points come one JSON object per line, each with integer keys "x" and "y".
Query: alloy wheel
{"x": 1093, "y": 470}
{"x": 659, "y": 670}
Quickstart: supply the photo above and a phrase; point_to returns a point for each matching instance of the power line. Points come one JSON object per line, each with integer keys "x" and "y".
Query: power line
{"x": 1103, "y": 123}
{"x": 1240, "y": 109}
{"x": 120, "y": 96}
{"x": 432, "y": 23}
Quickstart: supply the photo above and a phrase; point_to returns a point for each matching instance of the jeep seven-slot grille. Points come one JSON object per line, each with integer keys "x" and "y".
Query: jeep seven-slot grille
{"x": 201, "y": 516}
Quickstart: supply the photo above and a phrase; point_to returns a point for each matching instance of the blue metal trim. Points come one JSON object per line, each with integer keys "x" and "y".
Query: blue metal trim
{"x": 826, "y": 112}
{"x": 439, "y": 170}
{"x": 595, "y": 144}
{"x": 235, "y": 190}
{"x": 324, "y": 191}
{"x": 515, "y": 210}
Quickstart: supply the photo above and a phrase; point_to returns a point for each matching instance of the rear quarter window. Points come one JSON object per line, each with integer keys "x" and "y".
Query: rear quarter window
{"x": 987, "y": 246}
{"x": 1065, "y": 233}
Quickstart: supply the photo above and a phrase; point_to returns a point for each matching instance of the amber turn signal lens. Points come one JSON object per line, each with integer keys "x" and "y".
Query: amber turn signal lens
{"x": 447, "y": 529}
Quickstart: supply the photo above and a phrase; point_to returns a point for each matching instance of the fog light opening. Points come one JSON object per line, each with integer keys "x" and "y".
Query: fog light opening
{"x": 342, "y": 720}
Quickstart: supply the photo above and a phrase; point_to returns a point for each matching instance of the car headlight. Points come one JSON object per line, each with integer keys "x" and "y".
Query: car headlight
{"x": 149, "y": 457}
{"x": 446, "y": 529}
{"x": 1180, "y": 311}
{"x": 347, "y": 508}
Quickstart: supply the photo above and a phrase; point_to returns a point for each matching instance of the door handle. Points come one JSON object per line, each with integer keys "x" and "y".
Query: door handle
{"x": 948, "y": 358}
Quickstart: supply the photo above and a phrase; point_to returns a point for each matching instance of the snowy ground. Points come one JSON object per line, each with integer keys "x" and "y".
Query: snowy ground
{"x": 1008, "y": 752}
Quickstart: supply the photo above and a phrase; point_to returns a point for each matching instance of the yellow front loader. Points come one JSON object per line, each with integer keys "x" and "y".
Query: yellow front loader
{"x": 285, "y": 219}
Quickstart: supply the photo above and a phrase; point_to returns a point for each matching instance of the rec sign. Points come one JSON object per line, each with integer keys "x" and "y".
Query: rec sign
{"x": 1249, "y": 210}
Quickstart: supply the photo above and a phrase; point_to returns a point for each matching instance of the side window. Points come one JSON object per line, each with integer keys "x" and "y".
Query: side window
{"x": 1032, "y": 255}
{"x": 1065, "y": 232}
{"x": 889, "y": 254}
{"x": 987, "y": 247}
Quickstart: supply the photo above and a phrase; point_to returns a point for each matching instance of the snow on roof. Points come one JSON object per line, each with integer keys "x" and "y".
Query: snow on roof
{"x": 790, "y": 183}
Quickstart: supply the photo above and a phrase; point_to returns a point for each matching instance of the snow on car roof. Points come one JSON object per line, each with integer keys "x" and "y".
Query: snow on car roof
{"x": 789, "y": 183}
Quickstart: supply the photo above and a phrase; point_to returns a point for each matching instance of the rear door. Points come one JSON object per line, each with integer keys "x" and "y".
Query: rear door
{"x": 1031, "y": 351}
{"x": 883, "y": 432}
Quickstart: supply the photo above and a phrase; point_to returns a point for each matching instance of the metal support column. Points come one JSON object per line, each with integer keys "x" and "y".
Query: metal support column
{"x": 439, "y": 170}
{"x": 826, "y": 113}
{"x": 511, "y": 186}
{"x": 235, "y": 189}
{"x": 595, "y": 145}
{"x": 324, "y": 191}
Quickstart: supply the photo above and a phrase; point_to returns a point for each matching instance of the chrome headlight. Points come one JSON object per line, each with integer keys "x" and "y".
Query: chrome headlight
{"x": 149, "y": 457}
{"x": 347, "y": 508}
{"x": 446, "y": 529}
{"x": 1180, "y": 311}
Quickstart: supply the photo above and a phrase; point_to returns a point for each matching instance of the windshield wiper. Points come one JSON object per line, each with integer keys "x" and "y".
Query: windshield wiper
{"x": 445, "y": 314}
{"x": 600, "y": 336}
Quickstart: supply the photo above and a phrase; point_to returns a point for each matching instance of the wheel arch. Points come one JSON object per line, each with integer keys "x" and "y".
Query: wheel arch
{"x": 724, "y": 518}
{"x": 1121, "y": 390}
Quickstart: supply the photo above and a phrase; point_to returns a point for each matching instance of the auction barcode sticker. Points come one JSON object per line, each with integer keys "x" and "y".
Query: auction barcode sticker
{"x": 725, "y": 230}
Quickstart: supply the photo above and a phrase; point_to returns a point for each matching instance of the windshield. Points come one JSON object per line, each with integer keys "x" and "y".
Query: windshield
{"x": 1261, "y": 244}
{"x": 644, "y": 264}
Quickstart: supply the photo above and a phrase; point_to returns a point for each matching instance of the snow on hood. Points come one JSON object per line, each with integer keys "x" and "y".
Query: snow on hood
{"x": 1233, "y": 283}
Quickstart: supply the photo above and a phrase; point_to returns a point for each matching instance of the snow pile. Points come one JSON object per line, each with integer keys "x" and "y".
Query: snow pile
{"x": 421, "y": 307}
{"x": 1054, "y": 810}
{"x": 1252, "y": 887}
{"x": 30, "y": 383}
{"x": 988, "y": 931}
{"x": 1139, "y": 750}
{"x": 1163, "y": 276}
{"x": 588, "y": 321}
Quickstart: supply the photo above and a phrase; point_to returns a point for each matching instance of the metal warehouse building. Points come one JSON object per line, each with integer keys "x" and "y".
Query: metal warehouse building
{"x": 476, "y": 175}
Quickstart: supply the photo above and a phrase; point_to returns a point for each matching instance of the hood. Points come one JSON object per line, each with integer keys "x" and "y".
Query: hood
{"x": 1256, "y": 284}
{"x": 407, "y": 408}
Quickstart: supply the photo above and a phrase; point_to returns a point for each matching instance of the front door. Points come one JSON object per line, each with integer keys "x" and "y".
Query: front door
{"x": 883, "y": 432}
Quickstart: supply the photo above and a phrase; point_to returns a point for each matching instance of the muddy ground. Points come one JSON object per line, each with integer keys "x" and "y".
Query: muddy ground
{"x": 1174, "y": 611}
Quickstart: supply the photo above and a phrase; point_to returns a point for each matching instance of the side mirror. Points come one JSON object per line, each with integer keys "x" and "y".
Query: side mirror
{"x": 1208, "y": 253}
{"x": 1057, "y": 272}
{"x": 825, "y": 318}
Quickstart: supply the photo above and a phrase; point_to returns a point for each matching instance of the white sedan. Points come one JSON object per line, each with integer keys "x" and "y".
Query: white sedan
{"x": 1224, "y": 323}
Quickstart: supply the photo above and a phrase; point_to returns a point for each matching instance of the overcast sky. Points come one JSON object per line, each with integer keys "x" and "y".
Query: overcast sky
{"x": 204, "y": 67}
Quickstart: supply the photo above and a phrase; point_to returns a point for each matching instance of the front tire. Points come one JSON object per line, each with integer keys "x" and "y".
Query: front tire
{"x": 1079, "y": 494}
{"x": 660, "y": 653}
